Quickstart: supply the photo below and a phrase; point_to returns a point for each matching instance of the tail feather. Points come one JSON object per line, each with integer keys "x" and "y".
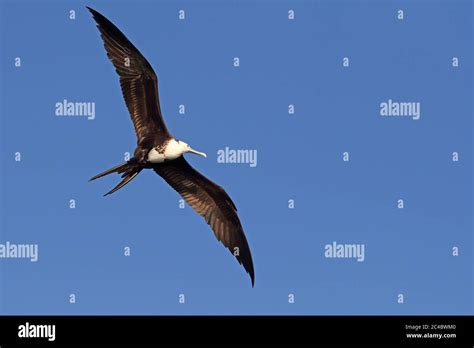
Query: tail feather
{"x": 129, "y": 171}
{"x": 127, "y": 178}
{"x": 117, "y": 169}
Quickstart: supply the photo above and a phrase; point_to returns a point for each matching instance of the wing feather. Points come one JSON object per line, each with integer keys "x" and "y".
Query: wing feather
{"x": 211, "y": 202}
{"x": 138, "y": 82}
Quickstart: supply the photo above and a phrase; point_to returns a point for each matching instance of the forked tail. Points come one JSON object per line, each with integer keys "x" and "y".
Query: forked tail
{"x": 129, "y": 170}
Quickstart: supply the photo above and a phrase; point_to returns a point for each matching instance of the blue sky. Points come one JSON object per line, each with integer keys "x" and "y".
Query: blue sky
{"x": 300, "y": 157}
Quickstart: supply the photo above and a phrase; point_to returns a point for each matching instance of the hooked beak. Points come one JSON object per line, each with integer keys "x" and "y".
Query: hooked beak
{"x": 197, "y": 152}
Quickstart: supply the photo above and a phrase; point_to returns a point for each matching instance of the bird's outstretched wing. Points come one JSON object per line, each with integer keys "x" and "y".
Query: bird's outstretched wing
{"x": 212, "y": 203}
{"x": 137, "y": 79}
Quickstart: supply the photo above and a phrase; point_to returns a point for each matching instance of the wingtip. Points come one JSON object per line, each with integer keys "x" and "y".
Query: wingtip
{"x": 95, "y": 14}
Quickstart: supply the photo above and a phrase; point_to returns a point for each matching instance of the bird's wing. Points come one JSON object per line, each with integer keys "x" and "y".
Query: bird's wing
{"x": 212, "y": 203}
{"x": 137, "y": 79}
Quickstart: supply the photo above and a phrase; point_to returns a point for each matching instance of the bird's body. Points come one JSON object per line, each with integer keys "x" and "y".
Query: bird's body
{"x": 157, "y": 149}
{"x": 168, "y": 151}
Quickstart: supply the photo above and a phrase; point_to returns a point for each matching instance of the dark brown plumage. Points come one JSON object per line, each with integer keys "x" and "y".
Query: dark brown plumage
{"x": 140, "y": 90}
{"x": 211, "y": 202}
{"x": 138, "y": 81}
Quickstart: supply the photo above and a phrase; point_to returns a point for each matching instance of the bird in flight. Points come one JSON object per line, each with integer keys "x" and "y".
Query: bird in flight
{"x": 157, "y": 149}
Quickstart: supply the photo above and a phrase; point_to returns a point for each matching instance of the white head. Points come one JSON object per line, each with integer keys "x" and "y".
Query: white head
{"x": 186, "y": 148}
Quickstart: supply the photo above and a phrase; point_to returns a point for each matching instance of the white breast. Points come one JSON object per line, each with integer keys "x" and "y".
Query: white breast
{"x": 155, "y": 157}
{"x": 172, "y": 151}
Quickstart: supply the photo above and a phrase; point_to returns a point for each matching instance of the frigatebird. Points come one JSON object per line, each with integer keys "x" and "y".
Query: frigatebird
{"x": 157, "y": 149}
